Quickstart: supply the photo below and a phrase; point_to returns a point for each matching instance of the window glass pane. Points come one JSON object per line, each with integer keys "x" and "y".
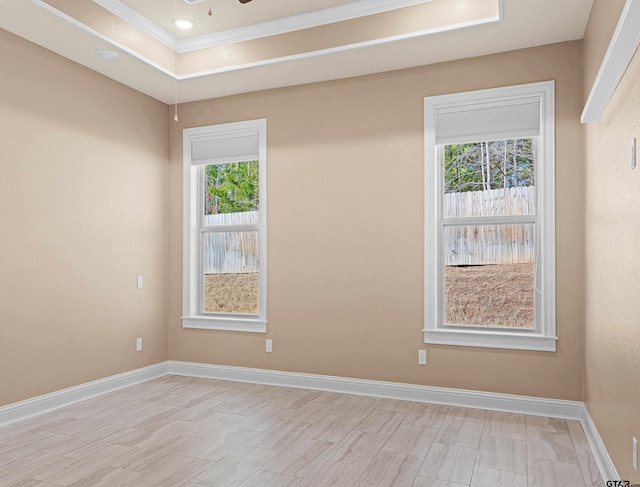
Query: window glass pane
{"x": 494, "y": 178}
{"x": 489, "y": 275}
{"x": 231, "y": 188}
{"x": 230, "y": 265}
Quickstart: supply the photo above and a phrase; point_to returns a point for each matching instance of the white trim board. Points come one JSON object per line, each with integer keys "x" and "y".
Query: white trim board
{"x": 603, "y": 460}
{"x": 623, "y": 46}
{"x": 574, "y": 410}
{"x": 54, "y": 400}
{"x": 556, "y": 408}
{"x": 343, "y": 48}
{"x": 338, "y": 13}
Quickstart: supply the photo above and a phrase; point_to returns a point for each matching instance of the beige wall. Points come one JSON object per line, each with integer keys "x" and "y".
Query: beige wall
{"x": 612, "y": 367}
{"x": 88, "y": 202}
{"x": 83, "y": 164}
{"x": 345, "y": 222}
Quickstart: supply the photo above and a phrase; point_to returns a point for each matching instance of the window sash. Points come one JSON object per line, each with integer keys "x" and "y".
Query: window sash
{"x": 441, "y": 307}
{"x": 249, "y": 227}
{"x": 442, "y": 223}
{"x": 543, "y": 337}
{"x": 195, "y": 229}
{"x": 489, "y": 220}
{"x": 201, "y": 274}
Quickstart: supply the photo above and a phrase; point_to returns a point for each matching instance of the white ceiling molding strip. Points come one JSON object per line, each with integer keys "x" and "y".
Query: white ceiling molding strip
{"x": 346, "y": 47}
{"x": 338, "y": 13}
{"x": 122, "y": 10}
{"x": 624, "y": 44}
{"x": 279, "y": 60}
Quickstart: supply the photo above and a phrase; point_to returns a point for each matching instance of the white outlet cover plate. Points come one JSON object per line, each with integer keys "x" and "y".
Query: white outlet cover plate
{"x": 422, "y": 357}
{"x": 269, "y": 345}
{"x": 138, "y": 344}
{"x": 635, "y": 454}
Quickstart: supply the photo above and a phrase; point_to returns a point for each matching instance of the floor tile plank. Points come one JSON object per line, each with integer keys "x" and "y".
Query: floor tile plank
{"x": 235, "y": 468}
{"x": 489, "y": 477}
{"x": 502, "y": 454}
{"x": 391, "y": 469}
{"x": 357, "y": 447}
{"x": 546, "y": 473}
{"x": 505, "y": 425}
{"x": 299, "y": 458}
{"x": 332, "y": 474}
{"x": 449, "y": 462}
{"x": 461, "y": 433}
{"x": 414, "y": 440}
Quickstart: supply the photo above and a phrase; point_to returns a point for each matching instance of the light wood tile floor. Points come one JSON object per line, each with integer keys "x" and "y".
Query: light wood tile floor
{"x": 179, "y": 431}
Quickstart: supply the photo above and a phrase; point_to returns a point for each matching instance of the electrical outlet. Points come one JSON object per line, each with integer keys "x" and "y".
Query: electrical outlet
{"x": 422, "y": 357}
{"x": 635, "y": 454}
{"x": 633, "y": 154}
{"x": 269, "y": 345}
{"x": 140, "y": 282}
{"x": 138, "y": 344}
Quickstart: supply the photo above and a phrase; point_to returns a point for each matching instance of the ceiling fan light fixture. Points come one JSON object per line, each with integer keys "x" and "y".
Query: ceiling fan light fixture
{"x": 183, "y": 24}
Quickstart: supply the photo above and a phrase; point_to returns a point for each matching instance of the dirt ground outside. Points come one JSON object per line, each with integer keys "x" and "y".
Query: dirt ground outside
{"x": 231, "y": 293}
{"x": 489, "y": 295}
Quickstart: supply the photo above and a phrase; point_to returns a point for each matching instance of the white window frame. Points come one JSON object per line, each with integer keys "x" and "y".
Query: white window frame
{"x": 193, "y": 315}
{"x": 543, "y": 336}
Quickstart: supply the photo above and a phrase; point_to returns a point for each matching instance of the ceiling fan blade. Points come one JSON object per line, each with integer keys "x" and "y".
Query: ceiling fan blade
{"x": 244, "y": 1}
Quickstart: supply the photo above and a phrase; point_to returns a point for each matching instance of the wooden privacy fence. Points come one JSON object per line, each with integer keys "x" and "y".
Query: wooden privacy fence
{"x": 237, "y": 252}
{"x": 489, "y": 244}
{"x": 231, "y": 252}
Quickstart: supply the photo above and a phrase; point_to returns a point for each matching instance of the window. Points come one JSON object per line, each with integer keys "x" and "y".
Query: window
{"x": 490, "y": 218}
{"x": 225, "y": 226}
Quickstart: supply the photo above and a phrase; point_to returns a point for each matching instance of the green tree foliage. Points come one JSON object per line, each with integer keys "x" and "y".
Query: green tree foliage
{"x": 489, "y": 165}
{"x": 231, "y": 187}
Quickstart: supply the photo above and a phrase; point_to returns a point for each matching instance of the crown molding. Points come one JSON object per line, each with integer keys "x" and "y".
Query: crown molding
{"x": 278, "y": 60}
{"x": 339, "y": 49}
{"x": 122, "y": 10}
{"x": 338, "y": 13}
{"x": 624, "y": 44}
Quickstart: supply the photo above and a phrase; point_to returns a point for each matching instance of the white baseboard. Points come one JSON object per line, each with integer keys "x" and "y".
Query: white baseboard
{"x": 393, "y": 390}
{"x": 54, "y": 400}
{"x": 603, "y": 460}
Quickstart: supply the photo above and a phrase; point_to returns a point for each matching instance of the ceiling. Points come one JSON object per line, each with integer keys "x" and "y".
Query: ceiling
{"x": 226, "y": 14}
{"x": 274, "y": 43}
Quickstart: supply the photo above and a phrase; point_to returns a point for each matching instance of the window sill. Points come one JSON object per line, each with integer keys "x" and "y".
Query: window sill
{"x": 246, "y": 325}
{"x": 491, "y": 339}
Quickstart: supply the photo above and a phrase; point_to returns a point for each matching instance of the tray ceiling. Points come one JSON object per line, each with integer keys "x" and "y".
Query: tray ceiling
{"x": 275, "y": 43}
